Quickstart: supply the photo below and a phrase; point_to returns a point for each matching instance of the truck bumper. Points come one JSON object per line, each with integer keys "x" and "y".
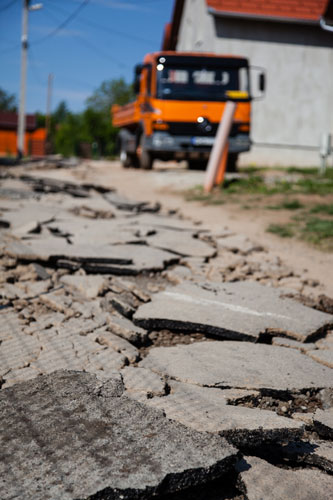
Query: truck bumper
{"x": 162, "y": 144}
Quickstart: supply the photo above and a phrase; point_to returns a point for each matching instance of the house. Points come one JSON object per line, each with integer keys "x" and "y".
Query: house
{"x": 286, "y": 38}
{"x": 34, "y": 142}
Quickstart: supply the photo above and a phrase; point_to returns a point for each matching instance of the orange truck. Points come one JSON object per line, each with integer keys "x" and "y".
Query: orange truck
{"x": 180, "y": 100}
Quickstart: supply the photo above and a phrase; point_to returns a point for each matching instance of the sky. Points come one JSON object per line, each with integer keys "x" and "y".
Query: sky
{"x": 103, "y": 40}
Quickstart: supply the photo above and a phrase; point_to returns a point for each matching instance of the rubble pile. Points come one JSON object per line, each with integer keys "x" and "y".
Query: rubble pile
{"x": 143, "y": 356}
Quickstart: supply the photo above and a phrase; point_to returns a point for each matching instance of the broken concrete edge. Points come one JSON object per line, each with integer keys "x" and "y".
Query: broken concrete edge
{"x": 172, "y": 483}
{"x": 158, "y": 324}
{"x": 254, "y": 439}
{"x": 323, "y": 430}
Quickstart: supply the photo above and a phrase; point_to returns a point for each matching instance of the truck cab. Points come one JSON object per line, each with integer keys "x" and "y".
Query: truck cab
{"x": 179, "y": 104}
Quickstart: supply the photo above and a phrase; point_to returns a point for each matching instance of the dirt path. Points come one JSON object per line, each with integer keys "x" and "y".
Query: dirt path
{"x": 166, "y": 184}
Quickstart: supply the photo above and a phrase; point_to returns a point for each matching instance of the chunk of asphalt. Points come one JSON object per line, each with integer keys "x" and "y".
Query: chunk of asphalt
{"x": 323, "y": 422}
{"x": 316, "y": 453}
{"x": 127, "y": 330}
{"x": 71, "y": 436}
{"x": 113, "y": 259}
{"x": 143, "y": 382}
{"x": 242, "y": 365}
{"x": 241, "y": 310}
{"x": 88, "y": 286}
{"x": 260, "y": 480}
{"x": 207, "y": 410}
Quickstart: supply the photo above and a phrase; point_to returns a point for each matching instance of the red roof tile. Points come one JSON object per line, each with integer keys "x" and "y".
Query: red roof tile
{"x": 310, "y": 10}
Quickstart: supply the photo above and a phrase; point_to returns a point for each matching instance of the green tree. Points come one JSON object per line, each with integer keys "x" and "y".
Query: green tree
{"x": 7, "y": 101}
{"x": 110, "y": 92}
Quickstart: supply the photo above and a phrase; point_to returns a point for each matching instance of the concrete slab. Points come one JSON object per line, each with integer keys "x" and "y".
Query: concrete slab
{"x": 242, "y": 310}
{"x": 207, "y": 410}
{"x": 323, "y": 422}
{"x": 242, "y": 365}
{"x": 325, "y": 357}
{"x": 181, "y": 243}
{"x": 113, "y": 259}
{"x": 239, "y": 243}
{"x": 262, "y": 480}
{"x": 70, "y": 436}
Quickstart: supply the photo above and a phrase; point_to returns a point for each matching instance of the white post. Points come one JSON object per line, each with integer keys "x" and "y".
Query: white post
{"x": 325, "y": 150}
{"x": 21, "y": 118}
{"x": 220, "y": 143}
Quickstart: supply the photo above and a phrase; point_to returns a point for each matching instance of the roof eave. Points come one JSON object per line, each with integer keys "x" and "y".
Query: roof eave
{"x": 258, "y": 17}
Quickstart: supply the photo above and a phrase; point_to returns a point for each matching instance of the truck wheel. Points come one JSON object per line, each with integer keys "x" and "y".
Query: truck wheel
{"x": 124, "y": 158}
{"x": 232, "y": 162}
{"x": 197, "y": 164}
{"x": 145, "y": 157}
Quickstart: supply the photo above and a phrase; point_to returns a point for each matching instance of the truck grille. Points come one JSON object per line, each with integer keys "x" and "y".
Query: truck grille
{"x": 194, "y": 129}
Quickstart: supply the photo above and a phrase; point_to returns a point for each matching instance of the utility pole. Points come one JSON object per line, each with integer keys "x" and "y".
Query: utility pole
{"x": 24, "y": 52}
{"x": 21, "y": 118}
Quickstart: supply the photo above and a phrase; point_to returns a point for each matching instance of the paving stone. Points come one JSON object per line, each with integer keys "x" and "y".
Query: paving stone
{"x": 325, "y": 357}
{"x": 262, "y": 480}
{"x": 102, "y": 444}
{"x": 119, "y": 344}
{"x": 19, "y": 375}
{"x": 10, "y": 325}
{"x": 58, "y": 354}
{"x": 240, "y": 310}
{"x": 106, "y": 360}
{"x": 323, "y": 421}
{"x": 181, "y": 243}
{"x": 143, "y": 382}
{"x": 18, "y": 352}
{"x": 207, "y": 410}
{"x": 57, "y": 301}
{"x": 242, "y": 365}
{"x": 127, "y": 330}
{"x": 89, "y": 286}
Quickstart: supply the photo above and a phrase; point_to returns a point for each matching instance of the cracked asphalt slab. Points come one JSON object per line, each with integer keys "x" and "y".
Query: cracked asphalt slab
{"x": 142, "y": 356}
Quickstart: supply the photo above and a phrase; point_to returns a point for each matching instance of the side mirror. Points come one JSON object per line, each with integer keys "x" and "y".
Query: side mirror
{"x": 262, "y": 82}
{"x": 137, "y": 73}
{"x": 137, "y": 70}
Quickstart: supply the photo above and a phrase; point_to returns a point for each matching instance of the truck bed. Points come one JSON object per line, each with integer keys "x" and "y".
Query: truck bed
{"x": 126, "y": 115}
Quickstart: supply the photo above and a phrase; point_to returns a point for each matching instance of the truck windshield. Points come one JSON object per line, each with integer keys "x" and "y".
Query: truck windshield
{"x": 199, "y": 83}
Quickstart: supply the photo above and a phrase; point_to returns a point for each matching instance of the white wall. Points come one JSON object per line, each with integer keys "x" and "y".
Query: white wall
{"x": 298, "y": 105}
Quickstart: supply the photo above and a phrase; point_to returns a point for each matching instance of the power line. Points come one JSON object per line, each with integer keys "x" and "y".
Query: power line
{"x": 93, "y": 47}
{"x": 9, "y": 4}
{"x": 64, "y": 23}
{"x": 108, "y": 30}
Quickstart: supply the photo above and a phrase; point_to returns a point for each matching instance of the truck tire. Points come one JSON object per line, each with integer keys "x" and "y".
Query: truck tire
{"x": 144, "y": 156}
{"x": 197, "y": 164}
{"x": 232, "y": 162}
{"x": 125, "y": 159}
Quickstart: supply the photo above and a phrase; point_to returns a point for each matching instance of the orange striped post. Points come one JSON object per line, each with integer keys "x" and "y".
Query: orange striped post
{"x": 220, "y": 143}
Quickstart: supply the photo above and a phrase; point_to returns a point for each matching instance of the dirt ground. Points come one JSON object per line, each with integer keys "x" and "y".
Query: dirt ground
{"x": 167, "y": 184}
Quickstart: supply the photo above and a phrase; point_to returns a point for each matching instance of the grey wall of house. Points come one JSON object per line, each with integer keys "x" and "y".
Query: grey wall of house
{"x": 298, "y": 105}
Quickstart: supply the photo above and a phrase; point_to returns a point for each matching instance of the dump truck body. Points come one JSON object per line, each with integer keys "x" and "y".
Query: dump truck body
{"x": 180, "y": 101}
